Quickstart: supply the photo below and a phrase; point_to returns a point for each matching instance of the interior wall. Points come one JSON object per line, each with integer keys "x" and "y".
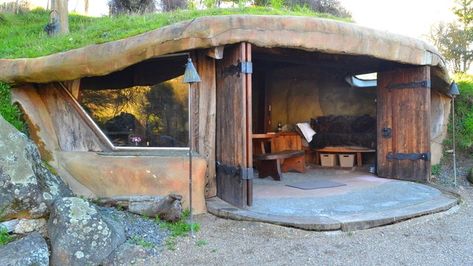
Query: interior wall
{"x": 301, "y": 93}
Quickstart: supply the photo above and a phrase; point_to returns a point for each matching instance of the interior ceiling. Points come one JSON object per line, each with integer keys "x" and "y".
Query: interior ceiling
{"x": 341, "y": 64}
{"x": 344, "y": 64}
{"x": 157, "y": 70}
{"x": 146, "y": 73}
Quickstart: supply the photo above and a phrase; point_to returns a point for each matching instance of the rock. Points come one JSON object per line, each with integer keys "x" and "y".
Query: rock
{"x": 80, "y": 234}
{"x": 27, "y": 187}
{"x": 9, "y": 225}
{"x": 167, "y": 208}
{"x": 25, "y": 226}
{"x": 131, "y": 254}
{"x": 29, "y": 250}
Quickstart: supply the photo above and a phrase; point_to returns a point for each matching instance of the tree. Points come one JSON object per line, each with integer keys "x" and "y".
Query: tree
{"x": 86, "y": 7}
{"x": 118, "y": 7}
{"x": 170, "y": 5}
{"x": 332, "y": 7}
{"x": 61, "y": 7}
{"x": 454, "y": 40}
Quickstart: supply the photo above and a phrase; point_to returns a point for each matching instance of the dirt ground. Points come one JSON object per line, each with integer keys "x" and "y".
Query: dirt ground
{"x": 439, "y": 239}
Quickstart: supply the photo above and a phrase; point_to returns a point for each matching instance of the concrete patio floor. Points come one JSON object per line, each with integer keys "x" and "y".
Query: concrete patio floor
{"x": 364, "y": 201}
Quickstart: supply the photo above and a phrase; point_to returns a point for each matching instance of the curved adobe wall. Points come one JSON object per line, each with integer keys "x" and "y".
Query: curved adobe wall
{"x": 111, "y": 175}
{"x": 440, "y": 112}
{"x": 93, "y": 175}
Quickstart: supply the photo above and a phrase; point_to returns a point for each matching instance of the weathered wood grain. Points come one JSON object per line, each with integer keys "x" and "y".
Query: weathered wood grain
{"x": 206, "y": 109}
{"x": 73, "y": 133}
{"x": 406, "y": 111}
{"x": 231, "y": 124}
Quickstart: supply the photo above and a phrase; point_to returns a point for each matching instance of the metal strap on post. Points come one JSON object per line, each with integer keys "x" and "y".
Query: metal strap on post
{"x": 230, "y": 170}
{"x": 411, "y": 85}
{"x": 409, "y": 156}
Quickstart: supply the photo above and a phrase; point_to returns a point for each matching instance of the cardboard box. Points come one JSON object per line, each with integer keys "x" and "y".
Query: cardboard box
{"x": 328, "y": 160}
{"x": 346, "y": 160}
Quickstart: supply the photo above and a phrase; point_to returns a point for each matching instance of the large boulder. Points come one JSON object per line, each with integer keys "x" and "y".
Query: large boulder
{"x": 80, "y": 234}
{"x": 27, "y": 187}
{"x": 30, "y": 250}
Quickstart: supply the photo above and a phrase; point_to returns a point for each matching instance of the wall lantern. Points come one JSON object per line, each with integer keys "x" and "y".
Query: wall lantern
{"x": 190, "y": 77}
{"x": 453, "y": 92}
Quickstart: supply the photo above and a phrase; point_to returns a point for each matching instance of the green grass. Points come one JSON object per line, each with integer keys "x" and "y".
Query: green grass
{"x": 22, "y": 35}
{"x": 463, "y": 116}
{"x": 138, "y": 240}
{"x": 201, "y": 243}
{"x": 436, "y": 168}
{"x": 11, "y": 113}
{"x": 177, "y": 229}
{"x": 5, "y": 237}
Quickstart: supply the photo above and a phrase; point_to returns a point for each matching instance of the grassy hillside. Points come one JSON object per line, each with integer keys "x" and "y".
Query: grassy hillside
{"x": 22, "y": 36}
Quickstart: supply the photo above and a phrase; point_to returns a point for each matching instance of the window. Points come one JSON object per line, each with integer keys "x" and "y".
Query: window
{"x": 363, "y": 81}
{"x": 150, "y": 113}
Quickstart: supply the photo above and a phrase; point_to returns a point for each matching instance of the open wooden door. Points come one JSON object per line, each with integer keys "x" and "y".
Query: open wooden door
{"x": 233, "y": 136}
{"x": 404, "y": 124}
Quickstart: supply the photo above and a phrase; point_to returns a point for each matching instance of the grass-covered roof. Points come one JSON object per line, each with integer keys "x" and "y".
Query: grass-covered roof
{"x": 22, "y": 35}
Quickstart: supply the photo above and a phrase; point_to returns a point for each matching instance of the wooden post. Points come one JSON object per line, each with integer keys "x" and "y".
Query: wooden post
{"x": 205, "y": 103}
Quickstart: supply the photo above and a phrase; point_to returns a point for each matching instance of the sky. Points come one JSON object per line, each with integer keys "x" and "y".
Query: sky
{"x": 406, "y": 17}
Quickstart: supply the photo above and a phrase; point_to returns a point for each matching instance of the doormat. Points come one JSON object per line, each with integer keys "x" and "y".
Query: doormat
{"x": 315, "y": 184}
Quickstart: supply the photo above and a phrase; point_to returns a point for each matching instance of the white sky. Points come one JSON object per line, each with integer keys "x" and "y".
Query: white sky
{"x": 406, "y": 17}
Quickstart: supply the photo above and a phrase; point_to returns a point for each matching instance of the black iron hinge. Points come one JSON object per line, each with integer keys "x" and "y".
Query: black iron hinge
{"x": 411, "y": 85}
{"x": 243, "y": 173}
{"x": 387, "y": 132}
{"x": 409, "y": 156}
{"x": 244, "y": 67}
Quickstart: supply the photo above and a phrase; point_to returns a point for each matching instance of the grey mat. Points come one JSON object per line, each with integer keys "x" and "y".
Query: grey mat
{"x": 315, "y": 184}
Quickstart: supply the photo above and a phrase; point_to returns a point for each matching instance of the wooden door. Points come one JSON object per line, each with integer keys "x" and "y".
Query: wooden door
{"x": 233, "y": 136}
{"x": 404, "y": 124}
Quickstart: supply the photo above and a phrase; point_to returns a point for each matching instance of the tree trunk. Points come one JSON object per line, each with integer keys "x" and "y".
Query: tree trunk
{"x": 17, "y": 7}
{"x": 86, "y": 7}
{"x": 61, "y": 7}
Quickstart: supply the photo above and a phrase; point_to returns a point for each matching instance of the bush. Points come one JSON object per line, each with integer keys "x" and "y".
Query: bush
{"x": 464, "y": 114}
{"x": 436, "y": 168}
{"x": 10, "y": 112}
{"x": 5, "y": 237}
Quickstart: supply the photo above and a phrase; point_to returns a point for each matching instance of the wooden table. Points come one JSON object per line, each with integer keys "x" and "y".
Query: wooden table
{"x": 285, "y": 154}
{"x": 259, "y": 141}
{"x": 344, "y": 149}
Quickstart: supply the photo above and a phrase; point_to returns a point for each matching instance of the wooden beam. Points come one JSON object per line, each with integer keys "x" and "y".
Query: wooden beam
{"x": 215, "y": 52}
{"x": 73, "y": 87}
{"x": 205, "y": 101}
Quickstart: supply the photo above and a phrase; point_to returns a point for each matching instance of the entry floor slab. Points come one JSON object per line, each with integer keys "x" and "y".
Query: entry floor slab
{"x": 363, "y": 202}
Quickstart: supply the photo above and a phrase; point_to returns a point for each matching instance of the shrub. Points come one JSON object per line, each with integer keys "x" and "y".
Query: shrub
{"x": 5, "y": 237}
{"x": 436, "y": 169}
{"x": 463, "y": 114}
{"x": 10, "y": 112}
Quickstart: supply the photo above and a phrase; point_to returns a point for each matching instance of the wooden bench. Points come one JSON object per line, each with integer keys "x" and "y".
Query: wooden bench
{"x": 276, "y": 163}
{"x": 347, "y": 149}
